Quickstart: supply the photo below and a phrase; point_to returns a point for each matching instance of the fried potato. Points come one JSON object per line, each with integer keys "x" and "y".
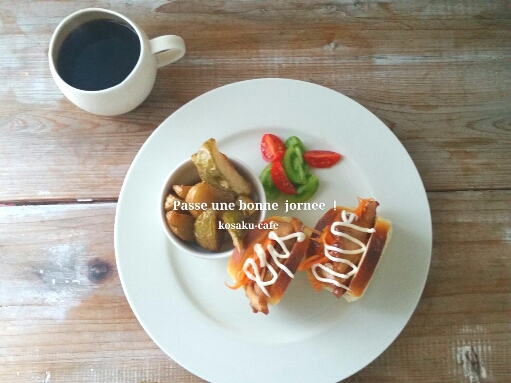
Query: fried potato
{"x": 182, "y": 225}
{"x": 233, "y": 220}
{"x": 181, "y": 190}
{"x": 204, "y": 193}
{"x": 206, "y": 231}
{"x": 215, "y": 168}
{"x": 169, "y": 203}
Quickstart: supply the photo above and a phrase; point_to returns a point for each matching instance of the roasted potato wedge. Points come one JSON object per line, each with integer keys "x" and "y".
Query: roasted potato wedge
{"x": 181, "y": 190}
{"x": 182, "y": 225}
{"x": 215, "y": 168}
{"x": 169, "y": 202}
{"x": 233, "y": 219}
{"x": 193, "y": 212}
{"x": 247, "y": 201}
{"x": 204, "y": 193}
{"x": 206, "y": 231}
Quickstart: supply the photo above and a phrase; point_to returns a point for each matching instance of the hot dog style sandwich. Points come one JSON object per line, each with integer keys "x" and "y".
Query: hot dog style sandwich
{"x": 345, "y": 248}
{"x": 340, "y": 254}
{"x": 266, "y": 264}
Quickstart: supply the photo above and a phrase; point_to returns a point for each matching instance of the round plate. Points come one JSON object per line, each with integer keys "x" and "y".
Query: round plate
{"x": 182, "y": 301}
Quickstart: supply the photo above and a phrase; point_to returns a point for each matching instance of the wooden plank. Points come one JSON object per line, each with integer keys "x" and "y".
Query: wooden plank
{"x": 460, "y": 329}
{"x": 437, "y": 74}
{"x": 63, "y": 311}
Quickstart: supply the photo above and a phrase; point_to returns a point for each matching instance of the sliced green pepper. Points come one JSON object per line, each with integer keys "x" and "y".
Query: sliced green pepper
{"x": 271, "y": 191}
{"x": 295, "y": 141}
{"x": 295, "y": 166}
{"x": 306, "y": 191}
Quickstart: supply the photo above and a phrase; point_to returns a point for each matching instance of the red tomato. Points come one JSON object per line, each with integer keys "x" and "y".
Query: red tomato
{"x": 279, "y": 178}
{"x": 272, "y": 148}
{"x": 321, "y": 158}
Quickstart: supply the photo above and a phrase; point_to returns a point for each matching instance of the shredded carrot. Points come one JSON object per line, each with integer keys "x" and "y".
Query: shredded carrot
{"x": 241, "y": 282}
{"x": 362, "y": 205}
{"x": 315, "y": 284}
{"x": 327, "y": 237}
{"x": 308, "y": 262}
{"x": 242, "y": 278}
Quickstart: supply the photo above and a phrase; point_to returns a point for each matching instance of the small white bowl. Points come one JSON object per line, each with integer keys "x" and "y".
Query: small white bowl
{"x": 186, "y": 174}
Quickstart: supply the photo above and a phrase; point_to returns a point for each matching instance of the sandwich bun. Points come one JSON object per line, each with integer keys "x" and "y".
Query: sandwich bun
{"x": 373, "y": 231}
{"x": 375, "y": 248}
{"x": 259, "y": 300}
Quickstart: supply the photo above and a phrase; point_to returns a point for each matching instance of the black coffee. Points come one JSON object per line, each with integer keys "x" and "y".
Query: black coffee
{"x": 98, "y": 55}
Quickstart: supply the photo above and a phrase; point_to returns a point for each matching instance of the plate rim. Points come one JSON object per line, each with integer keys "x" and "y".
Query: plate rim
{"x": 180, "y": 110}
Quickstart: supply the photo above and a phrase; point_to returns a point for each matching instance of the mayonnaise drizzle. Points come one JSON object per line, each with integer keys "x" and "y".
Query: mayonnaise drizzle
{"x": 261, "y": 254}
{"x": 347, "y": 221}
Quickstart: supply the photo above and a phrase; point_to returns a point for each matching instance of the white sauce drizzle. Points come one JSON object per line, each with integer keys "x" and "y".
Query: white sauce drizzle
{"x": 261, "y": 254}
{"x": 347, "y": 221}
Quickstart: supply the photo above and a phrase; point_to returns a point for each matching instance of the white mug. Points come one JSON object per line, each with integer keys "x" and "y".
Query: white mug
{"x": 135, "y": 86}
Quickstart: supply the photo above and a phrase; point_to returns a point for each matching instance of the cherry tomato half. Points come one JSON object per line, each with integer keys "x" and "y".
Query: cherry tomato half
{"x": 321, "y": 158}
{"x": 272, "y": 148}
{"x": 279, "y": 178}
{"x": 269, "y": 187}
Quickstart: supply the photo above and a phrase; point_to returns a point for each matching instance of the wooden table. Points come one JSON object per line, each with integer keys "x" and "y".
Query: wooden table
{"x": 437, "y": 73}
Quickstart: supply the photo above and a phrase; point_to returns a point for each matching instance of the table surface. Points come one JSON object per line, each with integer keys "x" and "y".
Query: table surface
{"x": 438, "y": 74}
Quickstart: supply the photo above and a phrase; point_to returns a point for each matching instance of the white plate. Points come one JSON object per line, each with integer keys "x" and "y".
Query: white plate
{"x": 182, "y": 301}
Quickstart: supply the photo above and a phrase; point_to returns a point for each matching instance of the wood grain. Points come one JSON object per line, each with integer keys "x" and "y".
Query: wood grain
{"x": 62, "y": 308}
{"x": 438, "y": 75}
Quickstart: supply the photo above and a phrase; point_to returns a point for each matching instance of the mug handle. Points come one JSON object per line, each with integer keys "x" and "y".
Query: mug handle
{"x": 167, "y": 49}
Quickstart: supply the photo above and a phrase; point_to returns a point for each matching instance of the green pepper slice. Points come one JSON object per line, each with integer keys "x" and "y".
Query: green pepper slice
{"x": 306, "y": 191}
{"x": 295, "y": 166}
{"x": 271, "y": 191}
{"x": 295, "y": 141}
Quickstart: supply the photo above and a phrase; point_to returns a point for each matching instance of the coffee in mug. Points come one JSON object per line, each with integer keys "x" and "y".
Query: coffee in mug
{"x": 98, "y": 54}
{"x": 104, "y": 63}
